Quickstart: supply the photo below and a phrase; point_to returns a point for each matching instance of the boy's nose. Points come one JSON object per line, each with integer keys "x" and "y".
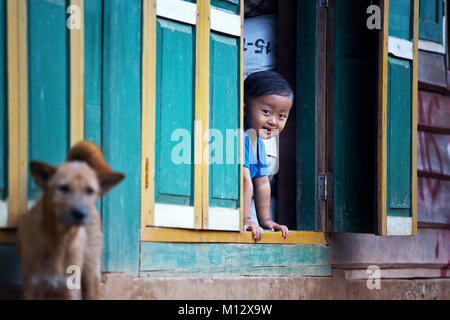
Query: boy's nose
{"x": 272, "y": 121}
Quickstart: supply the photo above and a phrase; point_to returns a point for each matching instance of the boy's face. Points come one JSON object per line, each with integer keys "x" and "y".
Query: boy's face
{"x": 268, "y": 114}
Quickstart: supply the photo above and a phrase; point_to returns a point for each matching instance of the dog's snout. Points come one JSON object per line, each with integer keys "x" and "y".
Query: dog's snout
{"x": 79, "y": 214}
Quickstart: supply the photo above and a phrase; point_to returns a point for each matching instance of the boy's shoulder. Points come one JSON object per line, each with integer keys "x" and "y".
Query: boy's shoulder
{"x": 257, "y": 164}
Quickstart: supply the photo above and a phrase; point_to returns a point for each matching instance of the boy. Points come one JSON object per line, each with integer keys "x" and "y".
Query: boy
{"x": 267, "y": 101}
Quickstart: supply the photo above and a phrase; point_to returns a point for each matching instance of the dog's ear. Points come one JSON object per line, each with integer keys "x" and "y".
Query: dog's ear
{"x": 41, "y": 173}
{"x": 108, "y": 180}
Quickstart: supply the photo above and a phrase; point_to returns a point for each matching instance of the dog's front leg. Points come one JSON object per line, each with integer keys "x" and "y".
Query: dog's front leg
{"x": 91, "y": 277}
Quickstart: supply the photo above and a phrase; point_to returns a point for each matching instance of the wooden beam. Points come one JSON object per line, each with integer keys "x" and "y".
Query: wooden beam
{"x": 148, "y": 113}
{"x": 201, "y": 169}
{"x": 382, "y": 123}
{"x": 77, "y": 75}
{"x": 155, "y": 234}
{"x": 17, "y": 109}
{"x": 414, "y": 106}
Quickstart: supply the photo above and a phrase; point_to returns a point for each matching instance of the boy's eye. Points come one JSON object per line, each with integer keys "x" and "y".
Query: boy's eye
{"x": 89, "y": 191}
{"x": 266, "y": 111}
{"x": 283, "y": 116}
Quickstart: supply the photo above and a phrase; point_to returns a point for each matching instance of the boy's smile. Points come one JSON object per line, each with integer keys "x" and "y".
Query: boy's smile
{"x": 268, "y": 114}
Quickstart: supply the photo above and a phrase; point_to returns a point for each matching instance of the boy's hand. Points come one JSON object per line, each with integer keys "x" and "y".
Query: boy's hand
{"x": 256, "y": 230}
{"x": 271, "y": 225}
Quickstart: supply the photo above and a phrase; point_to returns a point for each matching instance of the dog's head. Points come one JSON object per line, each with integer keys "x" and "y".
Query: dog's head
{"x": 72, "y": 189}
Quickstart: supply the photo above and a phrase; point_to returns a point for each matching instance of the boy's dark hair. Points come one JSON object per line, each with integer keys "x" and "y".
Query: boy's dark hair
{"x": 264, "y": 83}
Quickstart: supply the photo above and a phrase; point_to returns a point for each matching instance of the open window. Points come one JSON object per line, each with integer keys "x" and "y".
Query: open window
{"x": 357, "y": 118}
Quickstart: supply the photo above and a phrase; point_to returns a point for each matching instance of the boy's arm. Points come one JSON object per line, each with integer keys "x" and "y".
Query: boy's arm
{"x": 262, "y": 205}
{"x": 249, "y": 225}
{"x": 262, "y": 198}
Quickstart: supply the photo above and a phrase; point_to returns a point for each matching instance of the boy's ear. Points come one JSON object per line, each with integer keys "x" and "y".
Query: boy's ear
{"x": 108, "y": 180}
{"x": 41, "y": 173}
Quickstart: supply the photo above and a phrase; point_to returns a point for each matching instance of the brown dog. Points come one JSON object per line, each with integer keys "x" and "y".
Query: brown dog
{"x": 60, "y": 238}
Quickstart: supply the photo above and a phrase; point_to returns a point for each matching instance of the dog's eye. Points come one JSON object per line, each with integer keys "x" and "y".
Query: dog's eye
{"x": 64, "y": 188}
{"x": 89, "y": 190}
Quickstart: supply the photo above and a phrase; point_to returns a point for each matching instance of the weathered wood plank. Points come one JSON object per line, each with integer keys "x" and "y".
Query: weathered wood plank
{"x": 49, "y": 84}
{"x": 432, "y": 153}
{"x": 432, "y": 72}
{"x": 203, "y": 258}
{"x": 433, "y": 197}
{"x": 433, "y": 109}
{"x": 93, "y": 71}
{"x": 430, "y": 247}
{"x": 121, "y": 132}
{"x": 398, "y": 273}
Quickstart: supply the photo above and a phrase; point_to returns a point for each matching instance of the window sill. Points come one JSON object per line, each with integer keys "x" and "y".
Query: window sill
{"x": 157, "y": 234}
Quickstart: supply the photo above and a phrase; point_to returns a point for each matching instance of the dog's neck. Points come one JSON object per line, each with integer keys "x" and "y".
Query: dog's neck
{"x": 59, "y": 236}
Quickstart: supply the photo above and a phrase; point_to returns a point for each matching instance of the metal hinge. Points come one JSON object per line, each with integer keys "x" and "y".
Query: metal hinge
{"x": 323, "y": 3}
{"x": 322, "y": 186}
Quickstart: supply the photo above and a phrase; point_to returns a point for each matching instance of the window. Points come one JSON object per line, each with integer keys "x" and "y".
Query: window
{"x": 354, "y": 130}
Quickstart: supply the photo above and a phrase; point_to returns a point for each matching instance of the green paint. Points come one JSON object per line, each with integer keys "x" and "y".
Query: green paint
{"x": 399, "y": 137}
{"x": 121, "y": 132}
{"x": 224, "y": 180}
{"x": 3, "y": 104}
{"x": 227, "y": 5}
{"x": 175, "y": 92}
{"x": 430, "y": 20}
{"x": 48, "y": 83}
{"x": 355, "y": 118}
{"x": 236, "y": 259}
{"x": 306, "y": 124}
{"x": 93, "y": 71}
{"x": 400, "y": 22}
{"x": 93, "y": 19}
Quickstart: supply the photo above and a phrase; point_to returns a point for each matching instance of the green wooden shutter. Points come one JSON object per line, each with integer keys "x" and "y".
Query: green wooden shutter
{"x": 174, "y": 157}
{"x": 430, "y": 20}
{"x": 398, "y": 122}
{"x": 49, "y": 84}
{"x": 306, "y": 113}
{"x": 353, "y": 168}
{"x": 224, "y": 123}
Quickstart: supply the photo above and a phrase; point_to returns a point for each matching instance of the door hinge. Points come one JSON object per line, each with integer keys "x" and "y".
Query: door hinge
{"x": 323, "y": 186}
{"x": 323, "y": 3}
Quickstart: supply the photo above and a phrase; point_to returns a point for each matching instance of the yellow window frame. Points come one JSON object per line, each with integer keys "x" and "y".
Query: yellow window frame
{"x": 201, "y": 174}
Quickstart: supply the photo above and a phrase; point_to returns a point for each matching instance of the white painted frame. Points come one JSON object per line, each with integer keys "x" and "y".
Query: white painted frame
{"x": 174, "y": 216}
{"x": 224, "y": 219}
{"x": 3, "y": 213}
{"x": 186, "y": 12}
{"x": 400, "y": 48}
{"x": 399, "y": 226}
